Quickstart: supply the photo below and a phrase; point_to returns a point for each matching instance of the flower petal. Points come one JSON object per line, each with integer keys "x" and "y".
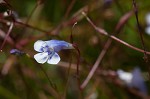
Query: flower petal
{"x": 54, "y": 59}
{"x": 38, "y": 45}
{"x": 138, "y": 81}
{"x": 41, "y": 57}
{"x": 59, "y": 45}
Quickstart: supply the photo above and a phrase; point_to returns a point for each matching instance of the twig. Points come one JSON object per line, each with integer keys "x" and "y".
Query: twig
{"x": 50, "y": 82}
{"x": 139, "y": 30}
{"x": 8, "y": 32}
{"x": 146, "y": 58}
{"x": 32, "y": 12}
{"x": 29, "y": 18}
{"x": 69, "y": 8}
{"x": 68, "y": 74}
{"x": 46, "y": 76}
{"x": 71, "y": 35}
{"x": 29, "y": 26}
{"x": 95, "y": 66}
{"x": 78, "y": 58}
{"x": 92, "y": 71}
{"x": 74, "y": 18}
{"x": 23, "y": 24}
{"x": 61, "y": 25}
{"x": 103, "y": 32}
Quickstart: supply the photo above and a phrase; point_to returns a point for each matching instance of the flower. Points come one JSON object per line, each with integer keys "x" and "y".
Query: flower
{"x": 48, "y": 50}
{"x": 125, "y": 76}
{"x": 133, "y": 79}
{"x": 16, "y": 52}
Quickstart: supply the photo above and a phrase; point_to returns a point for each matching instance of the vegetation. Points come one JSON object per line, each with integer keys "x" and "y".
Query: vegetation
{"x": 107, "y": 36}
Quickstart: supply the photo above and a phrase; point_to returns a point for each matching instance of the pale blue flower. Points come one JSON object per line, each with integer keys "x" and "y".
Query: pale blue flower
{"x": 48, "y": 50}
{"x": 133, "y": 79}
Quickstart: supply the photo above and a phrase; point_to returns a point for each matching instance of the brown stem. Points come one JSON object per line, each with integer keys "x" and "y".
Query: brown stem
{"x": 139, "y": 30}
{"x": 103, "y": 32}
{"x": 69, "y": 8}
{"x": 95, "y": 66}
{"x": 32, "y": 27}
{"x": 8, "y": 32}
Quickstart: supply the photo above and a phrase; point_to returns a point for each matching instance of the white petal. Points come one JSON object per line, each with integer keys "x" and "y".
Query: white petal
{"x": 41, "y": 57}
{"x": 148, "y": 18}
{"x": 54, "y": 59}
{"x": 125, "y": 76}
{"x": 147, "y": 30}
{"x": 38, "y": 45}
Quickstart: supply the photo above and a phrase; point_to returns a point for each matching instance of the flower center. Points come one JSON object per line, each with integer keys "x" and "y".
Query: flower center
{"x": 45, "y": 48}
{"x": 50, "y": 51}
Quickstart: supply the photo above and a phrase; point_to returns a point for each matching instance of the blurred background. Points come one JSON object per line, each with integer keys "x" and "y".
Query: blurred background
{"x": 122, "y": 72}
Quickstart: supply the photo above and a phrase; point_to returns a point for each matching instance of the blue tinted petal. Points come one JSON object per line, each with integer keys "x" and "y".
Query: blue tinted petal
{"x": 138, "y": 81}
{"x": 59, "y": 45}
{"x": 16, "y": 52}
{"x": 41, "y": 57}
{"x": 38, "y": 45}
{"x": 53, "y": 59}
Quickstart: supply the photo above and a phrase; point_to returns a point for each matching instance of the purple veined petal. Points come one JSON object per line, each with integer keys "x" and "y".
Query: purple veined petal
{"x": 53, "y": 59}
{"x": 41, "y": 57}
{"x": 58, "y": 45}
{"x": 38, "y": 45}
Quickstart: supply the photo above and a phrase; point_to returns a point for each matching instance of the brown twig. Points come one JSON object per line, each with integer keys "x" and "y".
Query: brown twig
{"x": 146, "y": 57}
{"x": 103, "y": 32}
{"x": 78, "y": 58}
{"x": 69, "y": 8}
{"x": 32, "y": 27}
{"x": 8, "y": 32}
{"x": 95, "y": 66}
{"x": 75, "y": 18}
{"x": 68, "y": 74}
{"x": 61, "y": 24}
{"x": 139, "y": 30}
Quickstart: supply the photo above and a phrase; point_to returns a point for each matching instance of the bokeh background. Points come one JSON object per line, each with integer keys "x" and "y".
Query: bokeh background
{"x": 21, "y": 77}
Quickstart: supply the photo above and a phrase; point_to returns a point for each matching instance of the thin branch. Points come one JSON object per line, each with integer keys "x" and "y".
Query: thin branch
{"x": 8, "y": 32}
{"x": 95, "y": 66}
{"x": 103, "y": 32}
{"x": 139, "y": 30}
{"x": 92, "y": 71}
{"x": 71, "y": 35}
{"x": 32, "y": 27}
{"x": 75, "y": 18}
{"x": 32, "y": 12}
{"x": 50, "y": 82}
{"x": 69, "y": 8}
{"x": 68, "y": 74}
{"x": 23, "y": 24}
{"x": 146, "y": 58}
{"x": 61, "y": 24}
